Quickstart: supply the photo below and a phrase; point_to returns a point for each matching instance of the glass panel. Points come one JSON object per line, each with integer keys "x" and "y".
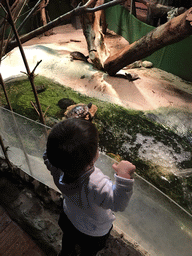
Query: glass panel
{"x": 26, "y": 140}
{"x": 152, "y": 219}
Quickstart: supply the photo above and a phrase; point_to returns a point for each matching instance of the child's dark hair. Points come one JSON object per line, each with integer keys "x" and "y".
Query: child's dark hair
{"x": 72, "y": 145}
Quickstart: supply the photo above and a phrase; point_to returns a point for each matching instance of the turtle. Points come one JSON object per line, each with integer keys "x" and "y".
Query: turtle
{"x": 81, "y": 111}
{"x": 128, "y": 76}
{"x": 131, "y": 76}
{"x": 64, "y": 103}
{"x": 79, "y": 56}
{"x": 40, "y": 88}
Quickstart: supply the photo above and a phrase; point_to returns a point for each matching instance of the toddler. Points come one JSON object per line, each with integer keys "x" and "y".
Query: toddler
{"x": 90, "y": 197}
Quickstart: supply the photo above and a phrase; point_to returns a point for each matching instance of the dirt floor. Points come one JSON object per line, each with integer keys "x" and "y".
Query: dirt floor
{"x": 153, "y": 89}
{"x": 13, "y": 240}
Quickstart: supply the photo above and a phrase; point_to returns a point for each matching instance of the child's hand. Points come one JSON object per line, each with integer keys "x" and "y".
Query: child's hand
{"x": 124, "y": 169}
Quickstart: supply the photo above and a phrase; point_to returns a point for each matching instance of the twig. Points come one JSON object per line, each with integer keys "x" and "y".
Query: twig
{"x": 30, "y": 75}
{"x": 26, "y": 18}
{"x": 4, "y": 46}
{"x": 15, "y": 9}
{"x": 3, "y": 8}
{"x": 5, "y": 92}
{"x": 2, "y": 42}
{"x": 104, "y": 6}
{"x": 35, "y": 108}
{"x": 36, "y": 66}
{"x": 32, "y": 103}
{"x": 46, "y": 111}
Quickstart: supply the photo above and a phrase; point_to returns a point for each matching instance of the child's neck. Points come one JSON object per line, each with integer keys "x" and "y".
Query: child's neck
{"x": 69, "y": 179}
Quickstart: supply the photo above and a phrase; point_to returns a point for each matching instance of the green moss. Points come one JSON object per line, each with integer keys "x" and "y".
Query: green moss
{"x": 21, "y": 94}
{"x": 118, "y": 128}
{"x": 116, "y": 123}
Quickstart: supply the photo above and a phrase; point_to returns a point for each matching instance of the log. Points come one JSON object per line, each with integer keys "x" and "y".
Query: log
{"x": 92, "y": 30}
{"x": 171, "y": 32}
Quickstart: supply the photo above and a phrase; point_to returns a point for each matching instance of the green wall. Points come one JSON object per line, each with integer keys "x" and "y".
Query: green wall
{"x": 175, "y": 58}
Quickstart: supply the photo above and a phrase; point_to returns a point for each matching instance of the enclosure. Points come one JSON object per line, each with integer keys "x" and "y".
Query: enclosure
{"x": 144, "y": 116}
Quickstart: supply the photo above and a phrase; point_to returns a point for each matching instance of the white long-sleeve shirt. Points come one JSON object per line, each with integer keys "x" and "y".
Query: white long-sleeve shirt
{"x": 90, "y": 200}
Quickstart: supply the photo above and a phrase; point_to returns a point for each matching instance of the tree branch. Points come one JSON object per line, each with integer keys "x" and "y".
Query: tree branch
{"x": 105, "y": 6}
{"x": 16, "y": 9}
{"x": 30, "y": 75}
{"x": 79, "y": 10}
{"x": 171, "y": 32}
{"x": 27, "y": 17}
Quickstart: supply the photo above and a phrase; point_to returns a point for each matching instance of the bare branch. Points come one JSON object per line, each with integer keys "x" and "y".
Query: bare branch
{"x": 30, "y": 75}
{"x": 104, "y": 6}
{"x": 16, "y": 9}
{"x": 27, "y": 17}
{"x": 36, "y": 66}
{"x": 79, "y": 10}
{"x": 2, "y": 40}
{"x": 33, "y": 105}
{"x": 3, "y": 8}
{"x": 46, "y": 110}
{"x": 41, "y": 5}
{"x": 5, "y": 92}
{"x": 90, "y": 3}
